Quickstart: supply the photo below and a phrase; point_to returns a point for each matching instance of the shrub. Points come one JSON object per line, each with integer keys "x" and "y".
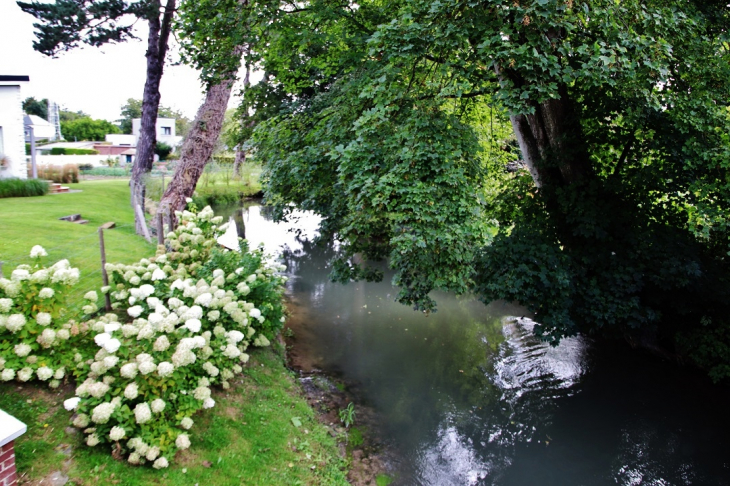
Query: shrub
{"x": 14, "y": 187}
{"x": 187, "y": 326}
{"x": 162, "y": 150}
{"x": 73, "y": 151}
{"x": 191, "y": 324}
{"x": 85, "y": 167}
{"x": 67, "y": 174}
{"x": 37, "y": 338}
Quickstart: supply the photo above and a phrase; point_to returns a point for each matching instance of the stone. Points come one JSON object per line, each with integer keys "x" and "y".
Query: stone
{"x": 109, "y": 225}
{"x": 57, "y": 478}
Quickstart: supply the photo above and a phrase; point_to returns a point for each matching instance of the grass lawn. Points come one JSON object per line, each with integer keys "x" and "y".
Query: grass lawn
{"x": 28, "y": 221}
{"x": 248, "y": 438}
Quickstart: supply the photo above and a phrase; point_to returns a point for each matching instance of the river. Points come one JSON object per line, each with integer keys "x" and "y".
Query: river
{"x": 468, "y": 396}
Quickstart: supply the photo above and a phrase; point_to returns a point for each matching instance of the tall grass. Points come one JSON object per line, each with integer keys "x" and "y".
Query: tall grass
{"x": 67, "y": 174}
{"x": 22, "y": 187}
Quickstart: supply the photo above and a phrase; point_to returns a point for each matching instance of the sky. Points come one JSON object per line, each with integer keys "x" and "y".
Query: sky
{"x": 97, "y": 81}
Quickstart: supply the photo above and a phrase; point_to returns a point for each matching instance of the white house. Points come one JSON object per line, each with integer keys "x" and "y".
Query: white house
{"x": 165, "y": 131}
{"x": 12, "y": 133}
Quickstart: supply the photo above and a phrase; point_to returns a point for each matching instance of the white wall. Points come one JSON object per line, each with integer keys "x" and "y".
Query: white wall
{"x": 172, "y": 139}
{"x": 122, "y": 139}
{"x": 11, "y": 121}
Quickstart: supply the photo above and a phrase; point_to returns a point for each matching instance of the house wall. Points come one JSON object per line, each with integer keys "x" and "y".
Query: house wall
{"x": 170, "y": 139}
{"x": 11, "y": 125}
{"x": 95, "y": 160}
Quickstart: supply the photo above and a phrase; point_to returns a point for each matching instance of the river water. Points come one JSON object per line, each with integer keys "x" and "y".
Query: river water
{"x": 467, "y": 396}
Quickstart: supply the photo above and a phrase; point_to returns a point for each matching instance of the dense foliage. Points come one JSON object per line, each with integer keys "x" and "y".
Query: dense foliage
{"x": 87, "y": 129}
{"x": 133, "y": 109}
{"x": 400, "y": 123}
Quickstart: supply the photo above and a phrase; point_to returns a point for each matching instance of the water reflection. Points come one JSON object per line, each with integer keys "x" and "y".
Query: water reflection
{"x": 470, "y": 397}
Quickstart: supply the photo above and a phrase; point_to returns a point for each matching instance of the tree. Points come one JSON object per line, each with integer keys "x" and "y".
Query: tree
{"x": 133, "y": 109}
{"x": 618, "y": 225}
{"x": 66, "y": 24}
{"x": 36, "y": 107}
{"x": 87, "y": 129}
{"x": 229, "y": 26}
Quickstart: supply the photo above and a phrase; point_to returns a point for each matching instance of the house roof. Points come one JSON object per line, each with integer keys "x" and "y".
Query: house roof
{"x": 14, "y": 78}
{"x": 78, "y": 145}
{"x": 129, "y": 152}
{"x": 36, "y": 121}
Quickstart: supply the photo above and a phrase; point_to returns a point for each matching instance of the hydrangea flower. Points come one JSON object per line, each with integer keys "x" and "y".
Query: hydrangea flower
{"x": 142, "y": 413}
{"x": 101, "y": 339}
{"x": 147, "y": 367}
{"x": 7, "y": 374}
{"x": 159, "y": 275}
{"x": 135, "y": 311}
{"x": 193, "y": 325}
{"x": 182, "y": 441}
{"x": 112, "y": 345}
{"x": 186, "y": 423}
{"x": 91, "y": 295}
{"x": 25, "y": 374}
{"x": 44, "y": 373}
{"x": 131, "y": 391}
{"x": 117, "y": 433}
{"x": 71, "y": 403}
{"x": 101, "y": 413}
{"x": 38, "y": 251}
{"x": 157, "y": 405}
{"x": 43, "y": 318}
{"x": 5, "y": 305}
{"x": 22, "y": 349}
{"x": 15, "y": 323}
{"x": 160, "y": 463}
{"x": 208, "y": 403}
{"x": 46, "y": 293}
{"x": 165, "y": 369}
{"x": 161, "y": 344}
{"x": 92, "y": 440}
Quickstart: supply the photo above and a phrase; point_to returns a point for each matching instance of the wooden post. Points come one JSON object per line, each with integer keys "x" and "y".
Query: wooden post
{"x": 172, "y": 219}
{"x": 143, "y": 222}
{"x": 160, "y": 230}
{"x": 104, "y": 276}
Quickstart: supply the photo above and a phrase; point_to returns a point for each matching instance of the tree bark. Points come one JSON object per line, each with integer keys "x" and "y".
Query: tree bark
{"x": 198, "y": 146}
{"x": 156, "y": 50}
{"x": 239, "y": 161}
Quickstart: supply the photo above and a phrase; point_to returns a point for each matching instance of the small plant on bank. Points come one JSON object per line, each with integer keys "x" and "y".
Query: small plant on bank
{"x": 347, "y": 415}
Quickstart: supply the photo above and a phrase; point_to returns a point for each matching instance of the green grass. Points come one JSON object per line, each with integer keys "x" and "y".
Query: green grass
{"x": 26, "y": 222}
{"x": 247, "y": 438}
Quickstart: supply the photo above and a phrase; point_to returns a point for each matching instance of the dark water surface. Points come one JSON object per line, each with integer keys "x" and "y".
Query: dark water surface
{"x": 469, "y": 397}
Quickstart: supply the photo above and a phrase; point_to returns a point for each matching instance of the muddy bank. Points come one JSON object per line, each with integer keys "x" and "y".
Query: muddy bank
{"x": 362, "y": 443}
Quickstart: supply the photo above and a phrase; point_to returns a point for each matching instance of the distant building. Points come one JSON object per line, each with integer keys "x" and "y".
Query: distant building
{"x": 121, "y": 139}
{"x": 12, "y": 138}
{"x": 165, "y": 131}
{"x": 42, "y": 129}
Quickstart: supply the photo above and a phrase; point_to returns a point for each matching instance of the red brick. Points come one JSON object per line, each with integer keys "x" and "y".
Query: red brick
{"x": 4, "y": 456}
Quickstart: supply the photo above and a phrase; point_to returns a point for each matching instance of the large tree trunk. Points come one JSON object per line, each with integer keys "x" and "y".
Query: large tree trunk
{"x": 198, "y": 147}
{"x": 156, "y": 51}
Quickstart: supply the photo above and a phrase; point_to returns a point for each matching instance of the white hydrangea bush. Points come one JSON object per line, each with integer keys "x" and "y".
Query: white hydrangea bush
{"x": 187, "y": 320}
{"x": 38, "y": 340}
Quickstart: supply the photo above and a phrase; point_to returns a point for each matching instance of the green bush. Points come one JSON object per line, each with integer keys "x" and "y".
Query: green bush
{"x": 14, "y": 187}
{"x": 85, "y": 167}
{"x": 162, "y": 150}
{"x": 224, "y": 159}
{"x": 73, "y": 151}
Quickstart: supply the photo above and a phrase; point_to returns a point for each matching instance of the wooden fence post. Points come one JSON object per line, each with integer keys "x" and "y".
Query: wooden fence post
{"x": 160, "y": 229}
{"x": 104, "y": 276}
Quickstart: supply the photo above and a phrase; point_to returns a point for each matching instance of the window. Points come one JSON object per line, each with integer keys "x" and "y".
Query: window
{"x": 167, "y": 130}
